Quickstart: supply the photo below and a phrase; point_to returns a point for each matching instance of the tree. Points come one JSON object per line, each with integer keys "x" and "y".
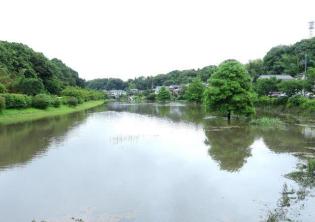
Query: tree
{"x": 310, "y": 79}
{"x": 163, "y": 95}
{"x": 255, "y": 68}
{"x": 195, "y": 90}
{"x": 2, "y": 88}
{"x": 264, "y": 87}
{"x": 292, "y": 87}
{"x": 230, "y": 90}
{"x": 30, "y": 86}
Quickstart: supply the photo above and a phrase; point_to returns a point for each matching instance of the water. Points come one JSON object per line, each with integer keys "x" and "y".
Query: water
{"x": 149, "y": 162}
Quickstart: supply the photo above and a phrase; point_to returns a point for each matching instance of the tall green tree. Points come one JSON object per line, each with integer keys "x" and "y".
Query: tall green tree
{"x": 163, "y": 95}
{"x": 264, "y": 87}
{"x": 230, "y": 90}
{"x": 195, "y": 90}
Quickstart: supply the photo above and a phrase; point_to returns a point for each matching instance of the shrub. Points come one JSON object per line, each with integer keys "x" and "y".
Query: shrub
{"x": 3, "y": 89}
{"x": 265, "y": 100}
{"x": 73, "y": 101}
{"x": 268, "y": 122}
{"x": 83, "y": 95}
{"x": 296, "y": 101}
{"x": 30, "y": 86}
{"x": 17, "y": 100}
{"x": 41, "y": 101}
{"x": 309, "y": 105}
{"x": 2, "y": 103}
{"x": 151, "y": 97}
{"x": 55, "y": 101}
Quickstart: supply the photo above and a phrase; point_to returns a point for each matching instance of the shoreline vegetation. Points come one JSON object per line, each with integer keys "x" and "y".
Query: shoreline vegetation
{"x": 14, "y": 116}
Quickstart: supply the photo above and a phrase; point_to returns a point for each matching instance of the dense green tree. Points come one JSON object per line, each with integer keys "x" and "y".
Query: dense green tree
{"x": 163, "y": 95}
{"x": 292, "y": 87}
{"x": 264, "y": 87}
{"x": 195, "y": 90}
{"x": 29, "y": 86}
{"x": 230, "y": 90}
{"x": 255, "y": 68}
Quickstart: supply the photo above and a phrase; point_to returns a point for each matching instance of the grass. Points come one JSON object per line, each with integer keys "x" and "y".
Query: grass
{"x": 268, "y": 122}
{"x": 12, "y": 116}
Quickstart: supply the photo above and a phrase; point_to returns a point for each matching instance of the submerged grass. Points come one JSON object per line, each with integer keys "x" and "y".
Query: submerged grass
{"x": 268, "y": 122}
{"x": 12, "y": 116}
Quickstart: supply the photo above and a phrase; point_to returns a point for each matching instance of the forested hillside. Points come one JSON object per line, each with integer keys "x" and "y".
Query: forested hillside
{"x": 22, "y": 68}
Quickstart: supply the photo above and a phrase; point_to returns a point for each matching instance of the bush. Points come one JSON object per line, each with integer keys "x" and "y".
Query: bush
{"x": 265, "y": 100}
{"x": 83, "y": 95}
{"x": 150, "y": 97}
{"x": 311, "y": 166}
{"x": 268, "y": 122}
{"x": 55, "y": 101}
{"x": 17, "y": 100}
{"x": 72, "y": 101}
{"x": 296, "y": 101}
{"x": 309, "y": 105}
{"x": 3, "y": 89}
{"x": 41, "y": 101}
{"x": 2, "y": 103}
{"x": 30, "y": 86}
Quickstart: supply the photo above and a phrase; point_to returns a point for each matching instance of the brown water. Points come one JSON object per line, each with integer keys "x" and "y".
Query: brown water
{"x": 151, "y": 163}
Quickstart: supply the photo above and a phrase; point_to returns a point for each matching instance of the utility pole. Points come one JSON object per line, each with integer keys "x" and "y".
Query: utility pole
{"x": 311, "y": 28}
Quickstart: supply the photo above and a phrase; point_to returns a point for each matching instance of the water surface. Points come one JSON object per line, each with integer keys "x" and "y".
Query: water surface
{"x": 150, "y": 162}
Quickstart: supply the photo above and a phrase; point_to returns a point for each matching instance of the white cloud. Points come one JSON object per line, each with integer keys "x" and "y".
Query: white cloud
{"x": 124, "y": 38}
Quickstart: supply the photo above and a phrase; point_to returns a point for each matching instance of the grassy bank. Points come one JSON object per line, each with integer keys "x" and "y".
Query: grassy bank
{"x": 11, "y": 116}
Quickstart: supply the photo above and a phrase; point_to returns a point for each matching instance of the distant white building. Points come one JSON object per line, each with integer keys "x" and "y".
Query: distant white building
{"x": 278, "y": 77}
{"x": 116, "y": 93}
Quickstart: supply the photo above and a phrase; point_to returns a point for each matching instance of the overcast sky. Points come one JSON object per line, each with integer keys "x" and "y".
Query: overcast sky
{"x": 128, "y": 38}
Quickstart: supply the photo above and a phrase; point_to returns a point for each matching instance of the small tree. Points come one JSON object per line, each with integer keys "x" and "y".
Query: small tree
{"x": 2, "y": 88}
{"x": 163, "y": 95}
{"x": 230, "y": 90}
{"x": 264, "y": 87}
{"x": 292, "y": 87}
{"x": 194, "y": 92}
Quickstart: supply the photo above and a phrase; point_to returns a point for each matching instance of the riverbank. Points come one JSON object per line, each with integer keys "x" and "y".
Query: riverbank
{"x": 12, "y": 116}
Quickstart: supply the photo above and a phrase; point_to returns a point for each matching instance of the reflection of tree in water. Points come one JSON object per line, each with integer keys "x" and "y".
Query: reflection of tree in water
{"x": 230, "y": 145}
{"x": 22, "y": 142}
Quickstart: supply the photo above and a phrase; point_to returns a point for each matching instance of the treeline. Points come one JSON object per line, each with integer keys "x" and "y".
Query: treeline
{"x": 279, "y": 60}
{"x": 176, "y": 77}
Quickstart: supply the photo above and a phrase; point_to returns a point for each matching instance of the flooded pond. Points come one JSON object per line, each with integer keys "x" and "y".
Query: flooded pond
{"x": 152, "y": 163}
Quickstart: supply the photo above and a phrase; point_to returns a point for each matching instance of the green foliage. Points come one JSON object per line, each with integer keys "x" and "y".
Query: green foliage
{"x": 55, "y": 101}
{"x": 264, "y": 87}
{"x": 230, "y": 90}
{"x": 108, "y": 84}
{"x": 163, "y": 95}
{"x": 265, "y": 101}
{"x": 296, "y": 101}
{"x": 291, "y": 87}
{"x": 311, "y": 166}
{"x": 195, "y": 90}
{"x": 268, "y": 122}
{"x": 17, "y": 100}
{"x": 41, "y": 101}
{"x": 83, "y": 95}
{"x": 18, "y": 61}
{"x": 151, "y": 97}
{"x": 255, "y": 68}
{"x": 309, "y": 105}
{"x": 2, "y": 88}
{"x": 2, "y": 103}
{"x": 29, "y": 86}
{"x": 72, "y": 101}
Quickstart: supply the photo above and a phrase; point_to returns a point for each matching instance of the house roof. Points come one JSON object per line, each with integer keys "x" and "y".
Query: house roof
{"x": 279, "y": 77}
